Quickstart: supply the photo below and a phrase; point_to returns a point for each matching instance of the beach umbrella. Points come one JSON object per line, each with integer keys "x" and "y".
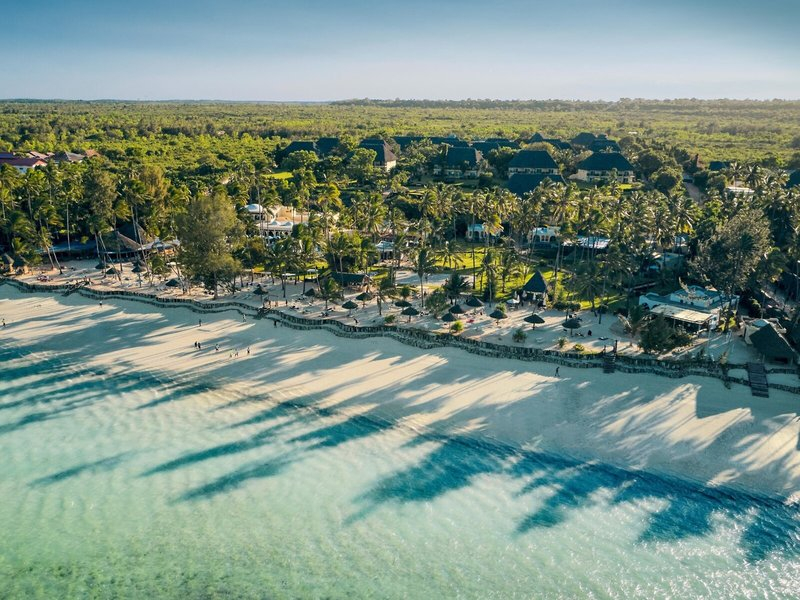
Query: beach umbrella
{"x": 498, "y": 314}
{"x": 260, "y": 291}
{"x": 138, "y": 269}
{"x": 534, "y": 319}
{"x": 310, "y": 292}
{"x": 111, "y": 272}
{"x": 571, "y": 324}
{"x": 349, "y": 305}
{"x": 474, "y": 302}
{"x": 456, "y": 309}
{"x": 410, "y": 311}
{"x": 449, "y": 317}
{"x": 174, "y": 282}
{"x": 100, "y": 265}
{"x": 364, "y": 297}
{"x": 402, "y": 303}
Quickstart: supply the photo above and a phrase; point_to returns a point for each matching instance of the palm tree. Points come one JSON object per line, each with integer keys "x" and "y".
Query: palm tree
{"x": 424, "y": 264}
{"x": 508, "y": 266}
{"x": 339, "y": 247}
{"x": 450, "y": 255}
{"x": 329, "y": 290}
{"x": 455, "y": 286}
{"x": 384, "y": 292}
{"x": 9, "y": 181}
{"x": 634, "y": 322}
{"x": 587, "y": 281}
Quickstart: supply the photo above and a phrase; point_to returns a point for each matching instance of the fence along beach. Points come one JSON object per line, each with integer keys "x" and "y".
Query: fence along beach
{"x": 693, "y": 427}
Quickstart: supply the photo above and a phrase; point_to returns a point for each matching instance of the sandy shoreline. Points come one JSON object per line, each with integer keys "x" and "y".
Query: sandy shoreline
{"x": 692, "y": 428}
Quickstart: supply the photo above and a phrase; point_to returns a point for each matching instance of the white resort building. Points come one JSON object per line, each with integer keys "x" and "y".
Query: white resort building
{"x": 696, "y": 308}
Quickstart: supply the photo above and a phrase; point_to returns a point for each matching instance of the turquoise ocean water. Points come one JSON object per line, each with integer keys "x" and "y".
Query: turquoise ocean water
{"x": 133, "y": 486}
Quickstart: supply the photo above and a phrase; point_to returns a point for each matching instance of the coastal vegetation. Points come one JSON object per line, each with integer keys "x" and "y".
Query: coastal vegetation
{"x": 187, "y": 172}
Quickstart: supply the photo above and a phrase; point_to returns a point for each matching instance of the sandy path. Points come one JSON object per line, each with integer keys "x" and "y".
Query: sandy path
{"x": 692, "y": 427}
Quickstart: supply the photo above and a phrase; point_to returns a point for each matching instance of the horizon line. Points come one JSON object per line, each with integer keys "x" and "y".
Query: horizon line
{"x": 366, "y": 99}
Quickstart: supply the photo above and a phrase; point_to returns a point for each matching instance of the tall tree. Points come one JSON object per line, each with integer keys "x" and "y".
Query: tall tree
{"x": 208, "y": 232}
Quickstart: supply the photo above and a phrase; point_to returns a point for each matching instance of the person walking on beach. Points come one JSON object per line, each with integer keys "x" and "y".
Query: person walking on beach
{"x": 275, "y": 322}
{"x": 216, "y": 347}
{"x": 248, "y": 351}
{"x": 557, "y": 368}
{"x": 4, "y": 323}
{"x": 199, "y": 322}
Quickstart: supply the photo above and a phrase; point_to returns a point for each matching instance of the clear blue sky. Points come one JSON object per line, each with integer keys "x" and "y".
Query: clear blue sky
{"x": 322, "y": 50}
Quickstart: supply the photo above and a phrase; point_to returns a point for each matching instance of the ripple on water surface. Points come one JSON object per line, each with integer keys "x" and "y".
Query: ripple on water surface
{"x": 131, "y": 485}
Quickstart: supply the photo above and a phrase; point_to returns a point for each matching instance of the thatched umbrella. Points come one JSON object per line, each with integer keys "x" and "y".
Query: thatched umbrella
{"x": 498, "y": 314}
{"x": 111, "y": 271}
{"x": 410, "y": 311}
{"x": 474, "y": 302}
{"x": 310, "y": 293}
{"x": 174, "y": 282}
{"x": 364, "y": 297}
{"x": 402, "y": 303}
{"x": 534, "y": 319}
{"x": 260, "y": 291}
{"x": 456, "y": 309}
{"x": 572, "y": 324}
{"x": 350, "y": 305}
{"x": 138, "y": 269}
{"x": 100, "y": 265}
{"x": 449, "y": 317}
{"x": 6, "y": 261}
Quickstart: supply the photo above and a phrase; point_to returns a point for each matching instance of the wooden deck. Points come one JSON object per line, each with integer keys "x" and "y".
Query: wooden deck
{"x": 758, "y": 380}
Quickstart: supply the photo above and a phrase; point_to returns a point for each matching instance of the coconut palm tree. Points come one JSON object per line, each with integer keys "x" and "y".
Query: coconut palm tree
{"x": 384, "y": 292}
{"x": 508, "y": 266}
{"x": 455, "y": 286}
{"x": 449, "y": 254}
{"x": 423, "y": 263}
{"x": 329, "y": 290}
{"x": 634, "y": 322}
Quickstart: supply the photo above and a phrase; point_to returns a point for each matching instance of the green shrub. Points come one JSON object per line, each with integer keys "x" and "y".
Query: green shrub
{"x": 519, "y": 336}
{"x": 562, "y": 341}
{"x": 456, "y": 327}
{"x": 389, "y": 319}
{"x": 579, "y": 348}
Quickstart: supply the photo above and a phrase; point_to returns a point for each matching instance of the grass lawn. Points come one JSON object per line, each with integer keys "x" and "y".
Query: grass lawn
{"x": 279, "y": 175}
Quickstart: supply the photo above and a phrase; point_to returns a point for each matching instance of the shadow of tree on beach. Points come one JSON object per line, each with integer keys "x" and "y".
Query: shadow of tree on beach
{"x": 97, "y": 466}
{"x": 558, "y": 488}
{"x": 236, "y": 479}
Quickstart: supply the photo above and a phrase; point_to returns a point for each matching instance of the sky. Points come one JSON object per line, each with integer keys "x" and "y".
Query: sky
{"x": 318, "y": 50}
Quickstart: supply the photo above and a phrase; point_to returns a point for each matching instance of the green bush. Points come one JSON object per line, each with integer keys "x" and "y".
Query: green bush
{"x": 579, "y": 348}
{"x": 389, "y": 319}
{"x": 520, "y": 336}
{"x": 562, "y": 341}
{"x": 658, "y": 336}
{"x": 456, "y": 327}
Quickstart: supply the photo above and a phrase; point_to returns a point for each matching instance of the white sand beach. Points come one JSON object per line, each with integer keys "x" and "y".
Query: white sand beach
{"x": 691, "y": 428}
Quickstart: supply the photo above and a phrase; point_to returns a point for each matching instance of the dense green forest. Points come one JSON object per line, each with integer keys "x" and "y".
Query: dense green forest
{"x": 179, "y": 133}
{"x": 189, "y": 170}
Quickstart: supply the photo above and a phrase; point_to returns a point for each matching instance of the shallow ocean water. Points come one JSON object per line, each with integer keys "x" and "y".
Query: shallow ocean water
{"x": 132, "y": 486}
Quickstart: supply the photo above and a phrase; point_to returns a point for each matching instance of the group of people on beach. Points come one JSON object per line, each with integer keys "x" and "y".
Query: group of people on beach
{"x": 199, "y": 346}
